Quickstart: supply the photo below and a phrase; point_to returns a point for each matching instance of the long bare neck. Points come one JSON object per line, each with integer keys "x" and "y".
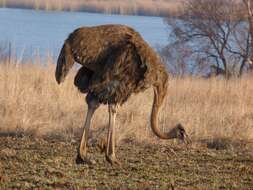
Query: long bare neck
{"x": 160, "y": 91}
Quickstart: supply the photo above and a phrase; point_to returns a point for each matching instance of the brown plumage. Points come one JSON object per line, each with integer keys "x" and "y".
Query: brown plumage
{"x": 116, "y": 62}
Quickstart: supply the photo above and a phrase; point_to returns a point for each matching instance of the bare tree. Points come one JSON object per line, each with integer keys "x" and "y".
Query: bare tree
{"x": 248, "y": 6}
{"x": 215, "y": 33}
{"x": 178, "y": 60}
{"x": 249, "y": 10}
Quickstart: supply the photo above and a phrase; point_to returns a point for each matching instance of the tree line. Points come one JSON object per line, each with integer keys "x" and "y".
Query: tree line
{"x": 210, "y": 38}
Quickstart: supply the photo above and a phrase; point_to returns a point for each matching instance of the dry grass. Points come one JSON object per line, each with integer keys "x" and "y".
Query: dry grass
{"x": 31, "y": 102}
{"x": 136, "y": 7}
{"x": 216, "y": 113}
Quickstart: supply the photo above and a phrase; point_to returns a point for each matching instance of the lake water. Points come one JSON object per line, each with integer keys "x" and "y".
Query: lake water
{"x": 39, "y": 32}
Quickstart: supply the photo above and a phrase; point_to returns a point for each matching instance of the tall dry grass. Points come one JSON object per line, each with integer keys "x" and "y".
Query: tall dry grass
{"x": 136, "y": 7}
{"x": 31, "y": 102}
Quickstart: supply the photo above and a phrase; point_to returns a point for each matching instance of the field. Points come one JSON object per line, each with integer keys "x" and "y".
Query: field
{"x": 133, "y": 7}
{"x": 40, "y": 127}
{"x": 38, "y": 164}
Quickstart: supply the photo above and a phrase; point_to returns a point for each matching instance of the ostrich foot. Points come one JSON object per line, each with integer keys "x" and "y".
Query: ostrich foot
{"x": 84, "y": 160}
{"x": 113, "y": 160}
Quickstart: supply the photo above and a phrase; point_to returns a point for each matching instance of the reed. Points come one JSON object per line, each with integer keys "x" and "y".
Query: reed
{"x": 32, "y": 103}
{"x": 133, "y": 7}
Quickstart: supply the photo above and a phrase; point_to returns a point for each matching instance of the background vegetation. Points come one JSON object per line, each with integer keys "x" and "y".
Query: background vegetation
{"x": 31, "y": 102}
{"x": 133, "y": 7}
{"x": 212, "y": 37}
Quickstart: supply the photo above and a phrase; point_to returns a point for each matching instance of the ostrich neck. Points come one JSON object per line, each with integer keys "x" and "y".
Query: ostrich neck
{"x": 160, "y": 91}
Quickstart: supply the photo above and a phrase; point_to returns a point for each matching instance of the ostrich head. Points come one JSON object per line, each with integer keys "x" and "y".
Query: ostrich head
{"x": 179, "y": 132}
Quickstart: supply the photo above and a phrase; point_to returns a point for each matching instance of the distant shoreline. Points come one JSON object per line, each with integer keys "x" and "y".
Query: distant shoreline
{"x": 131, "y": 7}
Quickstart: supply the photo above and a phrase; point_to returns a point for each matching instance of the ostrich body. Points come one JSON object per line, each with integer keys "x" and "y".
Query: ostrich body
{"x": 116, "y": 62}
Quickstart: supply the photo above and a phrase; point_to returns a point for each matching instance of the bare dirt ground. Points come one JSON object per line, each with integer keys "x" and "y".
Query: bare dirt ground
{"x": 27, "y": 163}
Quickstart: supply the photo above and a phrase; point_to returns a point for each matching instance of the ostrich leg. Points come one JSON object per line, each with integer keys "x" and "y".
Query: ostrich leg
{"x": 93, "y": 104}
{"x": 110, "y": 148}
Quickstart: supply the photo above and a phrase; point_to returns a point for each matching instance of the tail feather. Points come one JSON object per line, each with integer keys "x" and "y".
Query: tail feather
{"x": 64, "y": 63}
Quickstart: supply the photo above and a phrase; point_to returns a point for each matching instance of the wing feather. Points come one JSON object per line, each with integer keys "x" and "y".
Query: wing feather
{"x": 96, "y": 47}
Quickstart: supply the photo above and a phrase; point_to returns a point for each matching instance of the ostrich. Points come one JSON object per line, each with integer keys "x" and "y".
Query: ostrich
{"x": 116, "y": 62}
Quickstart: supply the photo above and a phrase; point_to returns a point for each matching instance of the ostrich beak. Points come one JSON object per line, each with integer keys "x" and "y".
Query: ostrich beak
{"x": 186, "y": 139}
